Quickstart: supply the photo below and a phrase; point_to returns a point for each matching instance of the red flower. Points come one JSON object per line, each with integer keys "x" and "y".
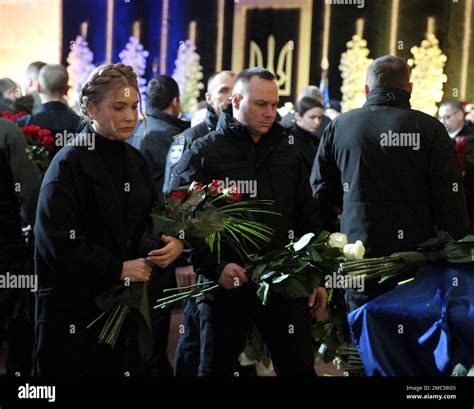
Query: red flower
{"x": 232, "y": 195}
{"x": 214, "y": 188}
{"x": 48, "y": 142}
{"x": 7, "y": 115}
{"x": 461, "y": 148}
{"x": 178, "y": 195}
{"x": 194, "y": 186}
{"x": 30, "y": 131}
{"x": 18, "y": 115}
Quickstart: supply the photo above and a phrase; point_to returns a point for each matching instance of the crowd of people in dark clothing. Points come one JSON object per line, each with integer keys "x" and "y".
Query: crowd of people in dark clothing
{"x": 325, "y": 170}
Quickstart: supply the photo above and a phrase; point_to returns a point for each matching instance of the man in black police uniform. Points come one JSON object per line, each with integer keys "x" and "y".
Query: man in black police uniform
{"x": 392, "y": 168}
{"x": 219, "y": 91}
{"x": 162, "y": 125}
{"x": 196, "y": 339}
{"x": 19, "y": 188}
{"x": 250, "y": 146}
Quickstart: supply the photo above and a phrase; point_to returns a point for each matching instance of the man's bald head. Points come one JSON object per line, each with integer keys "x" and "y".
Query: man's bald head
{"x": 389, "y": 71}
{"x": 53, "y": 80}
{"x": 219, "y": 90}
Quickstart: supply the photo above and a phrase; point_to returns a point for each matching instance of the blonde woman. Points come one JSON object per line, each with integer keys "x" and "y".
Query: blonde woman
{"x": 91, "y": 218}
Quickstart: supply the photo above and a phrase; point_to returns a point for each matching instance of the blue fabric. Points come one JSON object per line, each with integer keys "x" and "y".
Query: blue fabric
{"x": 423, "y": 327}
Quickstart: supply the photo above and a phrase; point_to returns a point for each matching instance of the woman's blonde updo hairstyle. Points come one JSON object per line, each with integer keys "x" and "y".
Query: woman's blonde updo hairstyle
{"x": 104, "y": 79}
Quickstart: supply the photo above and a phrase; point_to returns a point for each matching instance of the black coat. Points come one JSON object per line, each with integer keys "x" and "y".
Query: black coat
{"x": 393, "y": 197}
{"x": 19, "y": 186}
{"x": 161, "y": 129}
{"x": 274, "y": 164}
{"x": 82, "y": 238}
{"x": 58, "y": 118}
{"x": 181, "y": 143}
{"x": 306, "y": 145}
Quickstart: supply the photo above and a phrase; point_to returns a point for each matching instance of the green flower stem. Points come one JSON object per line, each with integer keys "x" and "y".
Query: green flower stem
{"x": 168, "y": 290}
{"x": 97, "y": 319}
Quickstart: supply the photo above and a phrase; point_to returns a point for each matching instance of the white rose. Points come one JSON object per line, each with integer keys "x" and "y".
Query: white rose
{"x": 337, "y": 240}
{"x": 354, "y": 251}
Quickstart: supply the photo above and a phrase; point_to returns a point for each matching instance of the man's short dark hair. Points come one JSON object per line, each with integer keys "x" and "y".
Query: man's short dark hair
{"x": 245, "y": 76}
{"x": 388, "y": 71}
{"x": 307, "y": 103}
{"x": 34, "y": 68}
{"x": 454, "y": 105}
{"x": 161, "y": 91}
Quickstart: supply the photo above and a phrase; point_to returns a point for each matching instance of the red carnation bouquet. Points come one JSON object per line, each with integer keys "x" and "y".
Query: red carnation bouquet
{"x": 40, "y": 141}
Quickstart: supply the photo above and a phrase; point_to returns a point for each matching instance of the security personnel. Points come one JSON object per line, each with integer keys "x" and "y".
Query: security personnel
{"x": 161, "y": 126}
{"x": 252, "y": 147}
{"x": 197, "y": 338}
{"x": 392, "y": 169}
{"x": 219, "y": 91}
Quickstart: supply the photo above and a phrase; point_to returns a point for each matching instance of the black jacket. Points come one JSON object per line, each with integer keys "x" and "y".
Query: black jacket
{"x": 181, "y": 143}
{"x": 393, "y": 197}
{"x": 274, "y": 164}
{"x": 161, "y": 129}
{"x": 83, "y": 235}
{"x": 306, "y": 145}
{"x": 58, "y": 118}
{"x": 19, "y": 186}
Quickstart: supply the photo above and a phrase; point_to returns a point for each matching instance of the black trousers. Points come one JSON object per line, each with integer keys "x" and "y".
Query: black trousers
{"x": 70, "y": 349}
{"x": 284, "y": 324}
{"x": 16, "y": 314}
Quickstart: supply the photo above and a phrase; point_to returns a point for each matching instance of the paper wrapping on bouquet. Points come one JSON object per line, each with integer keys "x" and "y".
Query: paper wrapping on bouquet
{"x": 423, "y": 327}
{"x": 136, "y": 297}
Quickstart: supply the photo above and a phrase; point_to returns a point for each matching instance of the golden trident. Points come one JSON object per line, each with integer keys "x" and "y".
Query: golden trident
{"x": 284, "y": 66}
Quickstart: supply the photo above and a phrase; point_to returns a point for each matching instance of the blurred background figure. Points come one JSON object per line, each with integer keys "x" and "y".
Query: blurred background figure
{"x": 9, "y": 92}
{"x": 332, "y": 109}
{"x": 53, "y": 113}
{"x": 309, "y": 115}
{"x": 31, "y": 85}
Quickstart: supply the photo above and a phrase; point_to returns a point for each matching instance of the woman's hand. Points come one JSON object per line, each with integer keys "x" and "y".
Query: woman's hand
{"x": 166, "y": 255}
{"x": 136, "y": 270}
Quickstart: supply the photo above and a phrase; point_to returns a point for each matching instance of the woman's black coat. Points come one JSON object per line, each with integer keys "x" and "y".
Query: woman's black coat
{"x": 82, "y": 238}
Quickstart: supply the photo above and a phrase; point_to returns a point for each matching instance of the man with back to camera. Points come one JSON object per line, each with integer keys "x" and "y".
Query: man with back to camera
{"x": 53, "y": 113}
{"x": 162, "y": 125}
{"x": 250, "y": 146}
{"x": 392, "y": 168}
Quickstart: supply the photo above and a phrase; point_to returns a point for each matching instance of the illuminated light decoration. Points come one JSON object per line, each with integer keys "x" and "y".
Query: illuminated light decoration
{"x": 192, "y": 31}
{"x": 353, "y": 67}
{"x": 164, "y": 36}
{"x": 188, "y": 75}
{"x": 394, "y": 26}
{"x": 427, "y": 74}
{"x": 220, "y": 34}
{"x": 79, "y": 67}
{"x": 110, "y": 28}
{"x": 134, "y": 55}
{"x": 466, "y": 47}
{"x": 327, "y": 26}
